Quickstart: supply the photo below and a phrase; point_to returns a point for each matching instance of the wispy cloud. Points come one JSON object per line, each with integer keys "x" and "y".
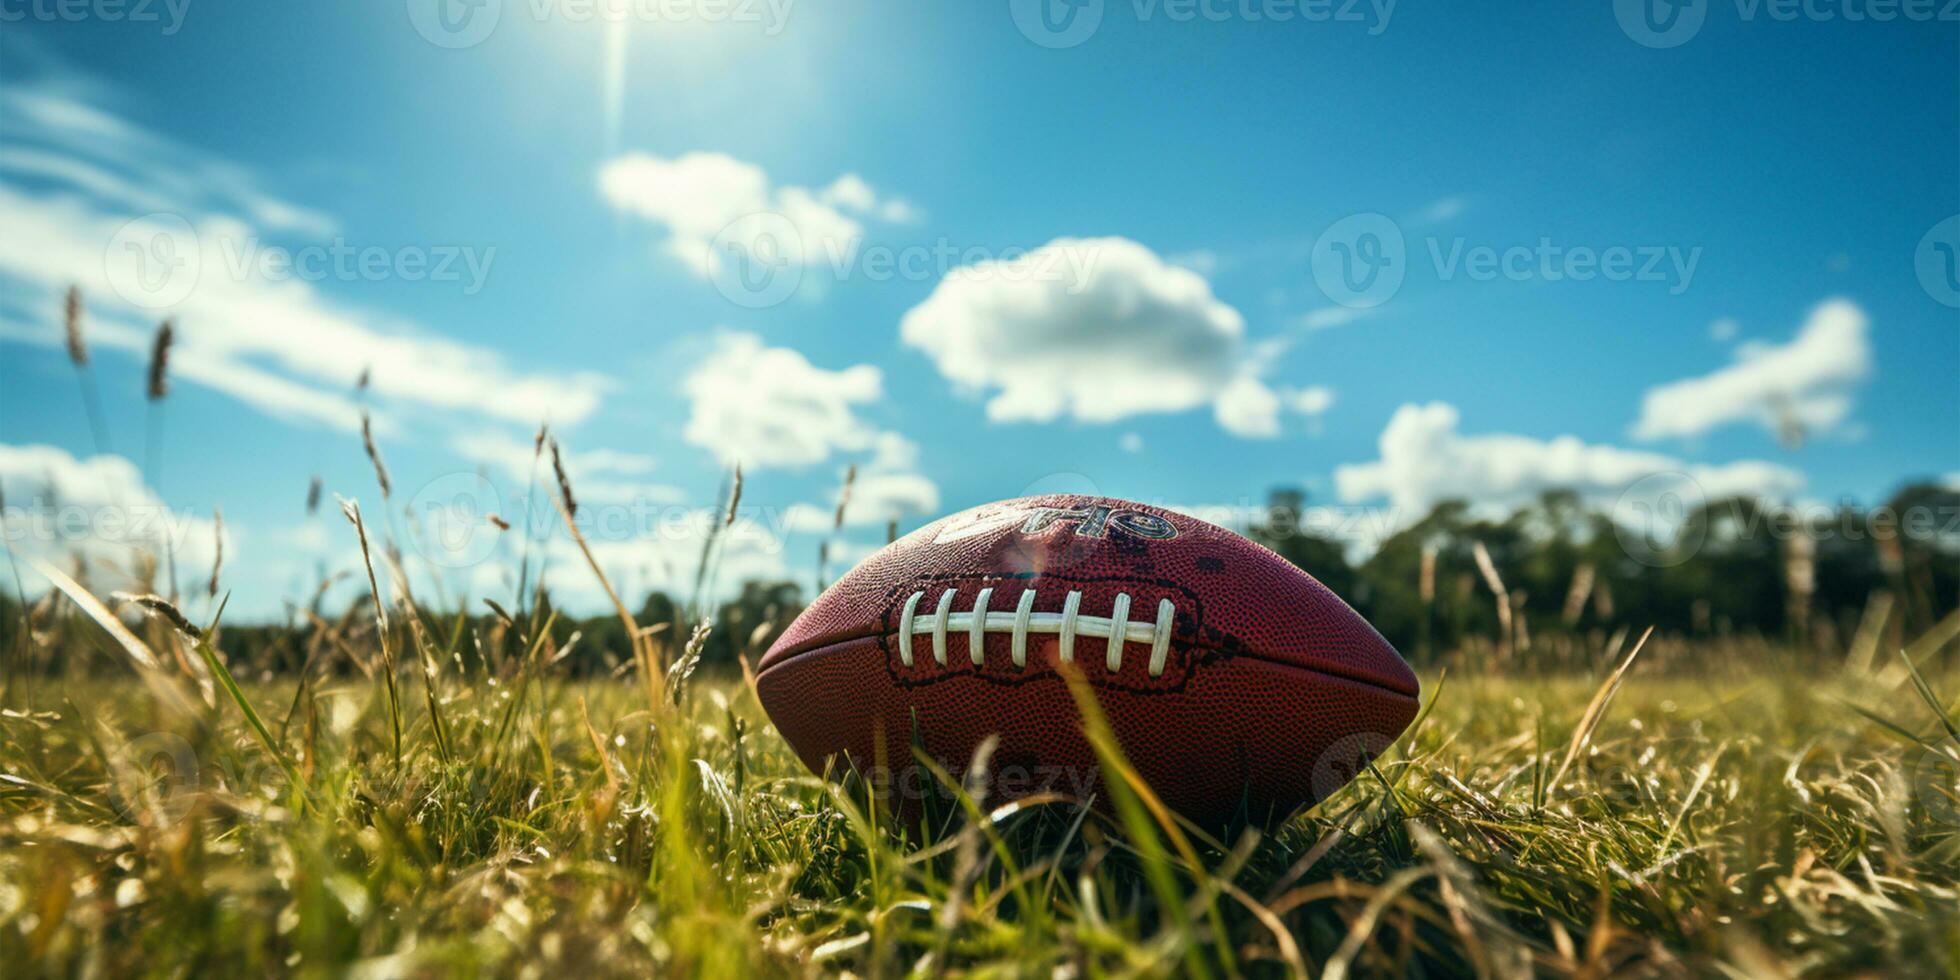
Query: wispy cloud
{"x": 1807, "y": 381}
{"x": 90, "y": 198}
{"x": 1424, "y": 459}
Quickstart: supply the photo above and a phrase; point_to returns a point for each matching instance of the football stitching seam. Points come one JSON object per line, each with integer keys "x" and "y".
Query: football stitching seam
{"x": 1068, "y": 624}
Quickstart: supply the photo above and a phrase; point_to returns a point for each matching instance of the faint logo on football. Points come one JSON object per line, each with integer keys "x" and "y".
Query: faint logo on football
{"x": 1346, "y": 759}
{"x": 154, "y": 261}
{"x": 1937, "y": 261}
{"x": 1057, "y": 23}
{"x": 1661, "y": 23}
{"x": 455, "y": 23}
{"x": 1360, "y": 261}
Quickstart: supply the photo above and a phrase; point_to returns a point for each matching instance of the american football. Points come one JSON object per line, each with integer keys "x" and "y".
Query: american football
{"x": 1235, "y": 683}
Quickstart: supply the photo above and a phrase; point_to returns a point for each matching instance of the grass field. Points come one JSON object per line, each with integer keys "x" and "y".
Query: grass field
{"x": 1746, "y": 818}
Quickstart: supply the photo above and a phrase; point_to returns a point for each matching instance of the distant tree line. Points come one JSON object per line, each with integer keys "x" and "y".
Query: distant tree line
{"x": 1729, "y": 567}
{"x": 1554, "y": 568}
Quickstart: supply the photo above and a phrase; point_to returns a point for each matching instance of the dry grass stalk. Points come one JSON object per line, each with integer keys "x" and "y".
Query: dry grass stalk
{"x": 159, "y": 387}
{"x": 564, "y": 481}
{"x": 218, "y": 549}
{"x": 72, "y": 326}
{"x": 1488, "y": 569}
{"x": 374, "y": 456}
{"x": 1426, "y": 576}
{"x": 148, "y": 667}
{"x": 352, "y": 511}
{"x": 844, "y": 496}
{"x": 169, "y": 613}
{"x": 642, "y": 645}
{"x": 891, "y": 530}
{"x": 1871, "y": 630}
{"x": 313, "y": 496}
{"x": 734, "y": 498}
{"x": 1575, "y": 597}
{"x": 1596, "y": 711}
{"x": 71, "y": 322}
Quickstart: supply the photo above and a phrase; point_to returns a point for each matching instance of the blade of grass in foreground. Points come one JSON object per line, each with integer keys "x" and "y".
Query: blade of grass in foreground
{"x": 1136, "y": 806}
{"x": 169, "y": 614}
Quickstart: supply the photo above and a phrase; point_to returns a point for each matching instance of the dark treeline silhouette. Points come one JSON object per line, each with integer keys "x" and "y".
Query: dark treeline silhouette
{"x": 1805, "y": 579}
{"x": 1730, "y": 567}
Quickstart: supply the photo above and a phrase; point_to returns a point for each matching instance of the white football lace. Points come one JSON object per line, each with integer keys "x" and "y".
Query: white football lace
{"x": 1067, "y": 625}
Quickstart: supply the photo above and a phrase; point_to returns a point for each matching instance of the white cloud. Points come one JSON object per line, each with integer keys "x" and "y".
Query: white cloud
{"x": 878, "y": 497}
{"x": 1807, "y": 381}
{"x": 697, "y": 198}
{"x": 1424, "y": 459}
{"x": 1094, "y": 329}
{"x": 662, "y": 555}
{"x": 1246, "y": 407}
{"x": 595, "y": 473}
{"x": 515, "y": 457}
{"x": 1724, "y": 330}
{"x": 1313, "y": 400}
{"x": 769, "y": 406}
{"x": 886, "y": 487}
{"x": 277, "y": 344}
{"x": 99, "y": 509}
{"x": 1130, "y": 442}
{"x": 1442, "y": 209}
{"x": 1329, "y": 317}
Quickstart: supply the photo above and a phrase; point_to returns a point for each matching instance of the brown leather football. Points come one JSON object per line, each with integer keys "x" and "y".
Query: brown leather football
{"x": 1237, "y": 685}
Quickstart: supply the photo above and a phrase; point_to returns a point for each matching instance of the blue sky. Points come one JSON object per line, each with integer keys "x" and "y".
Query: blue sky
{"x": 1118, "y": 263}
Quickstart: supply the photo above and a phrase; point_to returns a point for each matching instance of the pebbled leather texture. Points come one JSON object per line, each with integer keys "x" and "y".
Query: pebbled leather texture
{"x": 1274, "y": 691}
